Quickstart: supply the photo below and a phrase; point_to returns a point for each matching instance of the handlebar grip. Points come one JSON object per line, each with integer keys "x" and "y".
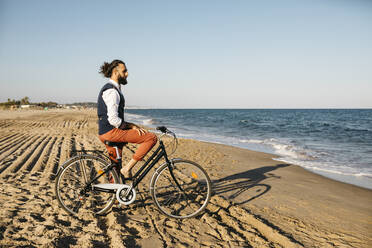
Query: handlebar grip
{"x": 162, "y": 129}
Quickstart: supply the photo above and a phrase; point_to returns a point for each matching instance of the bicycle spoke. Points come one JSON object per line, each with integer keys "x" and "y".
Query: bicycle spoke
{"x": 72, "y": 176}
{"x": 72, "y": 189}
{"x": 70, "y": 182}
{"x": 185, "y": 197}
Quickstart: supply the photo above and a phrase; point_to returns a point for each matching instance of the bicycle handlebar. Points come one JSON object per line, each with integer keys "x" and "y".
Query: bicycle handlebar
{"x": 162, "y": 129}
{"x": 165, "y": 131}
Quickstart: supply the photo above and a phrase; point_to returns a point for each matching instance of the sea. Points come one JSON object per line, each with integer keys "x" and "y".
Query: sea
{"x": 336, "y": 143}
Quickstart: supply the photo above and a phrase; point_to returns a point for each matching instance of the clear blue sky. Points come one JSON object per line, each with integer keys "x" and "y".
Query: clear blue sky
{"x": 190, "y": 54}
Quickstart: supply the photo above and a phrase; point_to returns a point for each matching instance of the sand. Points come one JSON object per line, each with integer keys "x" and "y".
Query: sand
{"x": 257, "y": 201}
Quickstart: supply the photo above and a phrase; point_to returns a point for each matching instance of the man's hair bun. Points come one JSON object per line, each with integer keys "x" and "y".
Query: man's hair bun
{"x": 106, "y": 68}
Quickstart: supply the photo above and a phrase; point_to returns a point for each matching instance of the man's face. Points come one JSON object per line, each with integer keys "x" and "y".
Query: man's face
{"x": 123, "y": 74}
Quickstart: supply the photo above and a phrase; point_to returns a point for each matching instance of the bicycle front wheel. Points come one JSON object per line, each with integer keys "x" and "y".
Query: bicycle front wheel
{"x": 182, "y": 191}
{"x": 72, "y": 179}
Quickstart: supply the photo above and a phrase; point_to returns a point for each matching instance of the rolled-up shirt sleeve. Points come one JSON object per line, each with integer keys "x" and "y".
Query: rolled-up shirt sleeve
{"x": 112, "y": 99}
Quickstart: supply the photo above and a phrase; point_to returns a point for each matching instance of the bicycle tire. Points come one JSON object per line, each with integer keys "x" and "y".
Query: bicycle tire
{"x": 188, "y": 202}
{"x": 70, "y": 181}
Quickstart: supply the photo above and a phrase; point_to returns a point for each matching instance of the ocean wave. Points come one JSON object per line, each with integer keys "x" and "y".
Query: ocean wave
{"x": 148, "y": 122}
{"x": 137, "y": 116}
{"x": 251, "y": 141}
{"x": 327, "y": 168}
{"x": 282, "y": 149}
{"x": 184, "y": 135}
{"x": 361, "y": 174}
{"x": 143, "y": 120}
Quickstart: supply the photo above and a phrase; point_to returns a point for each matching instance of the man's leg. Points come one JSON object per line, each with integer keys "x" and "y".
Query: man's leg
{"x": 127, "y": 169}
{"x": 146, "y": 141}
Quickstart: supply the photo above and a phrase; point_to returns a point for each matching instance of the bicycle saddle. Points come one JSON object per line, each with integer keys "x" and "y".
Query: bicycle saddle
{"x": 111, "y": 143}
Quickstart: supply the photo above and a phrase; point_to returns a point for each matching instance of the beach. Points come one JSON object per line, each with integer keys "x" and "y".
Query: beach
{"x": 257, "y": 201}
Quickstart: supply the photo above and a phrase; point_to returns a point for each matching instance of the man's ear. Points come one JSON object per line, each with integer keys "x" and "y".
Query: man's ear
{"x": 115, "y": 71}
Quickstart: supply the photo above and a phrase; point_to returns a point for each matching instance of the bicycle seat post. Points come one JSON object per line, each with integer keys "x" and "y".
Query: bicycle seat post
{"x": 118, "y": 157}
{"x": 115, "y": 145}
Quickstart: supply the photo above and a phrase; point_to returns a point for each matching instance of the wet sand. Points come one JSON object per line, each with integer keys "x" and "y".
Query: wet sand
{"x": 257, "y": 201}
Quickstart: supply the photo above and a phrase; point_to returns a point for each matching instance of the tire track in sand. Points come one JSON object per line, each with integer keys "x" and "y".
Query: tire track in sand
{"x": 21, "y": 159}
{"x": 40, "y": 155}
{"x": 8, "y": 136}
{"x": 15, "y": 153}
{"x": 6, "y": 124}
{"x": 32, "y": 157}
{"x": 7, "y": 155}
{"x": 54, "y": 160}
{"x": 63, "y": 152}
{"x": 48, "y": 152}
{"x": 14, "y": 140}
{"x": 222, "y": 225}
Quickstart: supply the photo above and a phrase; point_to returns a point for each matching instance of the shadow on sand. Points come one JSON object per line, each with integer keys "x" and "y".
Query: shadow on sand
{"x": 248, "y": 182}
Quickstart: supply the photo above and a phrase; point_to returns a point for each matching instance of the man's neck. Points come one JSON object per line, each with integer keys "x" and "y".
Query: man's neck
{"x": 115, "y": 82}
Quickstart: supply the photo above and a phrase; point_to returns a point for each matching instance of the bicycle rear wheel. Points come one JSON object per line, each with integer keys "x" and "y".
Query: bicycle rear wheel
{"x": 72, "y": 179}
{"x": 186, "y": 194}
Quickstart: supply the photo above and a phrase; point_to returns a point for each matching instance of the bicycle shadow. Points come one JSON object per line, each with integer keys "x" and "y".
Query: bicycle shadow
{"x": 247, "y": 182}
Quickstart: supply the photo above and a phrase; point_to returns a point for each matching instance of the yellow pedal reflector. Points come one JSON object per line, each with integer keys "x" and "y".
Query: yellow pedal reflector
{"x": 100, "y": 172}
{"x": 193, "y": 174}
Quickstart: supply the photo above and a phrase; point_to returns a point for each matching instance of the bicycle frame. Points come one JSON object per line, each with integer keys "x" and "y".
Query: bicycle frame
{"x": 159, "y": 153}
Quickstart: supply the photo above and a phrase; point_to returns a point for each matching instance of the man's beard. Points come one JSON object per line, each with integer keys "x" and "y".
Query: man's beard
{"x": 122, "y": 80}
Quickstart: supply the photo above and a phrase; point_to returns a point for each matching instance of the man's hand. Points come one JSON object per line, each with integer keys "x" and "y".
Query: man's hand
{"x": 140, "y": 130}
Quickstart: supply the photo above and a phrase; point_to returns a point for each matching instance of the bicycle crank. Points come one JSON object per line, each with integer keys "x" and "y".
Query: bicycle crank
{"x": 125, "y": 194}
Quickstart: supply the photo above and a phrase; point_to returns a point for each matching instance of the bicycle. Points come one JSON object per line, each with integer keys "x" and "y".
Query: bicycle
{"x": 90, "y": 183}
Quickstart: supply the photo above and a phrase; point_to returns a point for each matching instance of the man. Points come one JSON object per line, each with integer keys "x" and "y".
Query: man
{"x": 110, "y": 109}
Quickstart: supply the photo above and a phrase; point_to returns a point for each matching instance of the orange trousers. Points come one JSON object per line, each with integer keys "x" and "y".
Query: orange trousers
{"x": 146, "y": 141}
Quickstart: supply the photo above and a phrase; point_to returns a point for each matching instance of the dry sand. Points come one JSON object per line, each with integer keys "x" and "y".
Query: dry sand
{"x": 257, "y": 202}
